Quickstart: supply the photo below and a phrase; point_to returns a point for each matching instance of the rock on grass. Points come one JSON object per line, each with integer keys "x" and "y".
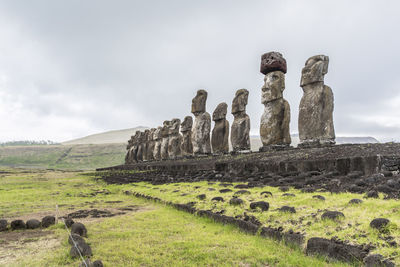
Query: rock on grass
{"x": 379, "y": 223}
{"x": 332, "y": 215}
{"x": 264, "y": 206}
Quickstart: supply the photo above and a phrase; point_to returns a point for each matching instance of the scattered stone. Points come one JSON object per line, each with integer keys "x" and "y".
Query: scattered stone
{"x": 3, "y": 225}
{"x": 379, "y": 223}
{"x": 217, "y": 199}
{"x": 226, "y": 190}
{"x": 76, "y": 238}
{"x": 18, "y": 225}
{"x": 241, "y": 186}
{"x": 242, "y": 192}
{"x": 48, "y": 220}
{"x": 201, "y": 196}
{"x": 32, "y": 224}
{"x": 97, "y": 263}
{"x": 332, "y": 215}
{"x": 79, "y": 229}
{"x": 240, "y": 130}
{"x": 202, "y": 124}
{"x": 287, "y": 209}
{"x": 288, "y": 195}
{"x": 220, "y": 133}
{"x": 69, "y": 222}
{"x": 266, "y": 193}
{"x": 84, "y": 249}
{"x": 316, "y": 105}
{"x": 319, "y": 197}
{"x": 376, "y": 260}
{"x": 284, "y": 188}
{"x": 355, "y": 201}
{"x": 372, "y": 194}
{"x": 236, "y": 201}
{"x": 264, "y": 206}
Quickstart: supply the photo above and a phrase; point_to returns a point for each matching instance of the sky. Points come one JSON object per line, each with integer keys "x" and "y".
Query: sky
{"x": 73, "y": 68}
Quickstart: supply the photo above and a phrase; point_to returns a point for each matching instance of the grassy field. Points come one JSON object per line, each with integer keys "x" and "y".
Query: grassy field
{"x": 148, "y": 234}
{"x": 354, "y": 227}
{"x": 66, "y": 157}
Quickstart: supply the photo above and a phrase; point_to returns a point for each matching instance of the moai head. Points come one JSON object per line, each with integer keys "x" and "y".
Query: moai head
{"x": 199, "y": 102}
{"x": 272, "y": 61}
{"x": 220, "y": 112}
{"x": 273, "y": 86}
{"x": 146, "y": 135}
{"x": 315, "y": 69}
{"x": 136, "y": 138}
{"x": 151, "y": 134}
{"x": 187, "y": 124}
{"x": 141, "y": 138}
{"x": 174, "y": 126}
{"x": 240, "y": 101}
{"x": 165, "y": 129}
{"x": 157, "y": 133}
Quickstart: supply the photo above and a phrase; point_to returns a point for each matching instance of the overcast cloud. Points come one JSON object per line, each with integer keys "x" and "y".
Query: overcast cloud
{"x": 73, "y": 68}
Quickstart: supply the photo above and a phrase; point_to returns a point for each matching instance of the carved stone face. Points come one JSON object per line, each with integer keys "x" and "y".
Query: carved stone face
{"x": 165, "y": 129}
{"x": 187, "y": 124}
{"x": 136, "y": 137}
{"x": 315, "y": 69}
{"x": 199, "y": 102}
{"x": 273, "y": 86}
{"x": 151, "y": 134}
{"x": 240, "y": 101}
{"x": 157, "y": 133}
{"x": 142, "y": 137}
{"x": 220, "y": 112}
{"x": 174, "y": 126}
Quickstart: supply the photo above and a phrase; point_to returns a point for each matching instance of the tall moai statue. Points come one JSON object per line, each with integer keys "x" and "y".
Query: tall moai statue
{"x": 274, "y": 126}
{"x": 131, "y": 156}
{"x": 150, "y": 144}
{"x": 141, "y": 146}
{"x": 165, "y": 139}
{"x": 157, "y": 143}
{"x": 240, "y": 130}
{"x": 145, "y": 144}
{"x": 175, "y": 139}
{"x": 316, "y": 105}
{"x": 186, "y": 130}
{"x": 202, "y": 124}
{"x": 220, "y": 132}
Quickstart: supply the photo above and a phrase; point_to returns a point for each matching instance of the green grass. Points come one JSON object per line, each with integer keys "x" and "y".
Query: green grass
{"x": 354, "y": 227}
{"x": 156, "y": 235}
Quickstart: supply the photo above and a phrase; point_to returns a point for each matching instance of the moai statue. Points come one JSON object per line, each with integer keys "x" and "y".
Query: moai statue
{"x": 316, "y": 105}
{"x": 186, "y": 130}
{"x": 175, "y": 139}
{"x": 141, "y": 146}
{"x": 202, "y": 124}
{"x": 240, "y": 130}
{"x": 150, "y": 144}
{"x": 220, "y": 133}
{"x": 157, "y": 137}
{"x": 165, "y": 139}
{"x": 145, "y": 144}
{"x": 274, "y": 126}
{"x": 128, "y": 156}
{"x": 131, "y": 156}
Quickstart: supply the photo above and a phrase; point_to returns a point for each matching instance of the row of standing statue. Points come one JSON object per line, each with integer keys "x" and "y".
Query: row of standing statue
{"x": 175, "y": 139}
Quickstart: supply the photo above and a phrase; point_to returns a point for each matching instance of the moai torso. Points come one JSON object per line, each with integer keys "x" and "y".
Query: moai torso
{"x": 150, "y": 144}
{"x": 220, "y": 132}
{"x": 175, "y": 139}
{"x": 131, "y": 156}
{"x": 145, "y": 144}
{"x": 202, "y": 124}
{"x": 165, "y": 139}
{"x": 274, "y": 126}
{"x": 186, "y": 130}
{"x": 240, "y": 130}
{"x": 140, "y": 149}
{"x": 157, "y": 143}
{"x": 316, "y": 105}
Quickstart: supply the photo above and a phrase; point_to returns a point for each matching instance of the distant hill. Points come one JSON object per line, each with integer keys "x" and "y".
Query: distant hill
{"x": 110, "y": 137}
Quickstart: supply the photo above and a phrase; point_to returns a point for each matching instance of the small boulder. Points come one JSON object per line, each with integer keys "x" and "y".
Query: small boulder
{"x": 287, "y": 209}
{"x": 241, "y": 186}
{"x": 242, "y": 192}
{"x": 319, "y": 197}
{"x": 332, "y": 215}
{"x": 47, "y": 221}
{"x": 264, "y": 206}
{"x": 355, "y": 201}
{"x": 266, "y": 193}
{"x": 372, "y": 194}
{"x": 379, "y": 223}
{"x": 3, "y": 225}
{"x": 69, "y": 222}
{"x": 217, "y": 199}
{"x": 76, "y": 238}
{"x": 97, "y": 263}
{"x": 376, "y": 260}
{"x": 79, "y": 229}
{"x": 202, "y": 196}
{"x": 18, "y": 225}
{"x": 236, "y": 201}
{"x": 226, "y": 190}
{"x": 84, "y": 249}
{"x": 32, "y": 224}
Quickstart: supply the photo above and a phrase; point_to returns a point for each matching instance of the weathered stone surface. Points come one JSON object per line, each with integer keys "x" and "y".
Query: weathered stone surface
{"x": 157, "y": 143}
{"x": 32, "y": 224}
{"x": 174, "y": 140}
{"x": 264, "y": 206}
{"x": 79, "y": 229}
{"x": 83, "y": 248}
{"x": 186, "y": 130}
{"x": 220, "y": 133}
{"x": 18, "y": 225}
{"x": 48, "y": 220}
{"x": 379, "y": 223}
{"x": 332, "y": 215}
{"x": 133, "y": 143}
{"x": 274, "y": 126}
{"x": 3, "y": 225}
{"x": 75, "y": 238}
{"x": 240, "y": 130}
{"x": 202, "y": 124}
{"x": 316, "y": 105}
{"x": 165, "y": 139}
{"x": 272, "y": 61}
{"x": 150, "y": 144}
{"x": 145, "y": 144}
{"x": 141, "y": 147}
